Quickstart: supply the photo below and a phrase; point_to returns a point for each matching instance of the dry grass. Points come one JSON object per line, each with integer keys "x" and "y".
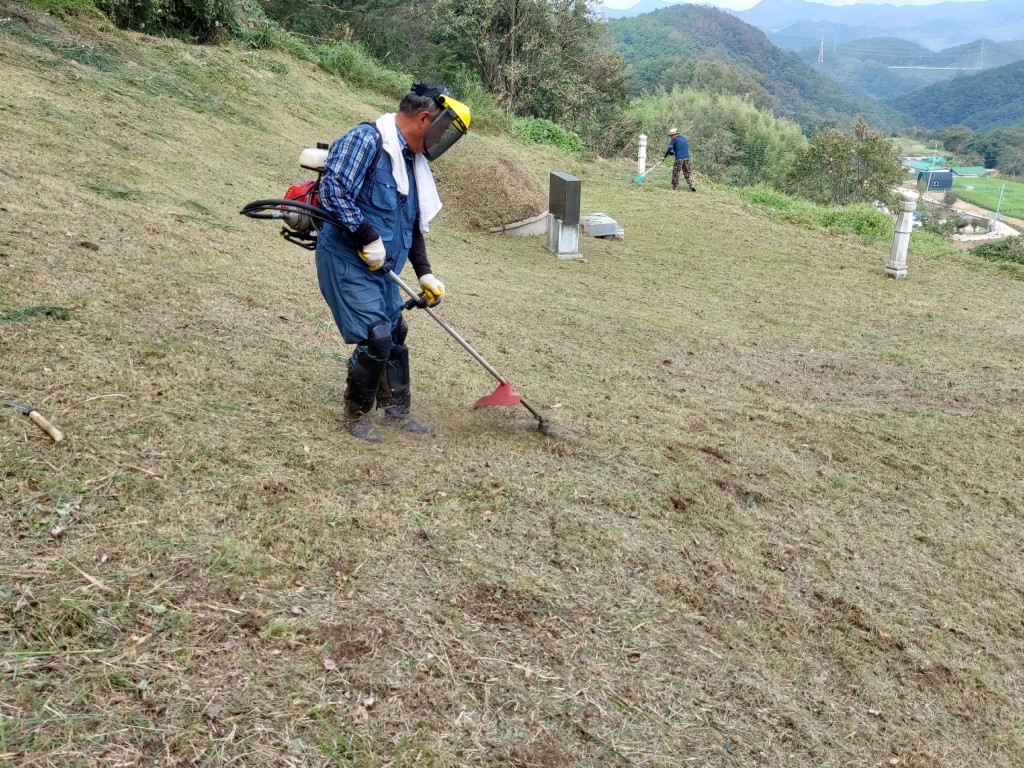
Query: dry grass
{"x": 782, "y": 525}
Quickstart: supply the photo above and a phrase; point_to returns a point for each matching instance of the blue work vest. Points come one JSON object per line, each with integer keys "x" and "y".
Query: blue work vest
{"x": 391, "y": 214}
{"x": 359, "y": 298}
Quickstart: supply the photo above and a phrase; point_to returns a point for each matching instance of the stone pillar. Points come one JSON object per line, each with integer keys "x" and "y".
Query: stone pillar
{"x": 897, "y": 266}
{"x": 564, "y": 220}
{"x": 641, "y": 157}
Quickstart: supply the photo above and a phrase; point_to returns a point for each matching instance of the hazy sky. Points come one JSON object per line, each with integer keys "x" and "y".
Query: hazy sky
{"x": 742, "y": 5}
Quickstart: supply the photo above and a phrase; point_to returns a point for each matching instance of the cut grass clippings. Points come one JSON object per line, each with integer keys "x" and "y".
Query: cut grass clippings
{"x": 20, "y": 315}
{"x": 781, "y": 526}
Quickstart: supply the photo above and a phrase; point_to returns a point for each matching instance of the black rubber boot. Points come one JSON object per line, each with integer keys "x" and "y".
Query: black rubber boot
{"x": 400, "y": 418}
{"x": 363, "y": 428}
{"x": 365, "y": 372}
{"x": 394, "y": 393}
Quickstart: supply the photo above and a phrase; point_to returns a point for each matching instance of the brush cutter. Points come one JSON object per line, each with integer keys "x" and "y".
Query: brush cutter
{"x": 640, "y": 178}
{"x": 505, "y": 393}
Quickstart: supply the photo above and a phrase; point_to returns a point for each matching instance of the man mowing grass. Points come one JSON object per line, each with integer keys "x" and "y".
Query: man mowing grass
{"x": 378, "y": 183}
{"x": 680, "y": 147}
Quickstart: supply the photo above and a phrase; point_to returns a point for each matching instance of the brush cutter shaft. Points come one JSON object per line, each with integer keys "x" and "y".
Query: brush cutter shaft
{"x": 418, "y": 301}
{"x": 421, "y": 303}
{"x": 652, "y": 167}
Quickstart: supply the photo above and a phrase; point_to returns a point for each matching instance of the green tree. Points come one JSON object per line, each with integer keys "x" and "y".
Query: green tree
{"x": 839, "y": 168}
{"x": 393, "y": 31}
{"x": 730, "y": 139}
{"x": 545, "y": 58}
{"x": 1002, "y": 149}
{"x": 955, "y": 137}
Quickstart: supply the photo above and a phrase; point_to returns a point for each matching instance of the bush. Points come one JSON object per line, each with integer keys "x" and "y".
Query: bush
{"x": 950, "y": 197}
{"x": 1011, "y": 249}
{"x": 537, "y": 130}
{"x": 465, "y": 86}
{"x": 350, "y": 62}
{"x": 768, "y": 198}
{"x": 200, "y": 21}
{"x": 862, "y": 219}
{"x": 253, "y": 28}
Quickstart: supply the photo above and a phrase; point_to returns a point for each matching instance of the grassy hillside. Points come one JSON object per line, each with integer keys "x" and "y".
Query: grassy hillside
{"x": 781, "y": 525}
{"x": 652, "y": 44}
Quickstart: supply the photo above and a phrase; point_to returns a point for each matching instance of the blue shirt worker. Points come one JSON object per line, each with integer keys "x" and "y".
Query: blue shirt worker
{"x": 378, "y": 183}
{"x": 680, "y": 147}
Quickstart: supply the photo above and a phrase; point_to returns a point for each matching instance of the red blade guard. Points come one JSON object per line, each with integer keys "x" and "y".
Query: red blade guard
{"x": 505, "y": 394}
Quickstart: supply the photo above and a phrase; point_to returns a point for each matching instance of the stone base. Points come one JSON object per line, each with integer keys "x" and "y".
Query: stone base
{"x": 599, "y": 225}
{"x": 897, "y": 273}
{"x": 563, "y": 239}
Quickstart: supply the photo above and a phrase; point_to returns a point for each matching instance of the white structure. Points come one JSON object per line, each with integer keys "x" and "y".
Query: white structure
{"x": 641, "y": 156}
{"x": 535, "y": 225}
{"x": 564, "y": 239}
{"x": 897, "y": 266}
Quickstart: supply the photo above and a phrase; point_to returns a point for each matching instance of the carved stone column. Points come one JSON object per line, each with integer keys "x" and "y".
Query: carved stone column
{"x": 897, "y": 266}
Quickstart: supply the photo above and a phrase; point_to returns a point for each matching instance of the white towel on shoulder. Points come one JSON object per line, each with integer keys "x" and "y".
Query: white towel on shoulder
{"x": 426, "y": 188}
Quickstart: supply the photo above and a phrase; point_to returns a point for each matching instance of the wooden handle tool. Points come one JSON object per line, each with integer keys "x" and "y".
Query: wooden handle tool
{"x": 38, "y": 419}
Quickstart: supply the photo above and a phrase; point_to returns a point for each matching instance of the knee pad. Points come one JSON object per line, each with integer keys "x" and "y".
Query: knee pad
{"x": 378, "y": 343}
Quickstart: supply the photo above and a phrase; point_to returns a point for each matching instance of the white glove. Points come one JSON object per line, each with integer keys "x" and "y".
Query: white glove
{"x": 374, "y": 254}
{"x": 433, "y": 289}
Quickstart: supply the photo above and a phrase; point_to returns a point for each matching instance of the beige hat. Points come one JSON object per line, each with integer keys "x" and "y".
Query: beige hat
{"x": 672, "y": 130}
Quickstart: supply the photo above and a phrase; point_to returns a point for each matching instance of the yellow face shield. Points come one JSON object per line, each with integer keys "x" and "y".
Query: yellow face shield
{"x": 447, "y": 128}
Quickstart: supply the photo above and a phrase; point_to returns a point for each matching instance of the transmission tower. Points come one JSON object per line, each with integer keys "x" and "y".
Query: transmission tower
{"x": 821, "y": 51}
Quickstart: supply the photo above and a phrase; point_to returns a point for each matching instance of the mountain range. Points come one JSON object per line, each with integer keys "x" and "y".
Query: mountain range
{"x": 795, "y": 24}
{"x": 993, "y": 99}
{"x": 655, "y": 44}
{"x": 890, "y": 67}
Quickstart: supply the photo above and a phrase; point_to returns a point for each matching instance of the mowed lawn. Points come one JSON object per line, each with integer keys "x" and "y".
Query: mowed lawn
{"x": 780, "y": 524}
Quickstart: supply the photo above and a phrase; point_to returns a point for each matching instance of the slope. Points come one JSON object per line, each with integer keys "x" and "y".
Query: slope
{"x": 652, "y": 43}
{"x": 991, "y": 99}
{"x": 782, "y": 525}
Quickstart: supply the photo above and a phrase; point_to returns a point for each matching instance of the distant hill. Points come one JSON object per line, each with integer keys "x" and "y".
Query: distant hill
{"x": 655, "y": 42}
{"x": 797, "y": 24}
{"x": 644, "y": 6}
{"x": 890, "y": 67}
{"x": 992, "y": 99}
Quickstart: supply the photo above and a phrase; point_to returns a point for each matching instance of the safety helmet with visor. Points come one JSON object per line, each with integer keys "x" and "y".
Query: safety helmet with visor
{"x": 450, "y": 125}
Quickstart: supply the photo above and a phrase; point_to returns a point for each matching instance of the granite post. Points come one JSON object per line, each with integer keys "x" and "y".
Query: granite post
{"x": 897, "y": 266}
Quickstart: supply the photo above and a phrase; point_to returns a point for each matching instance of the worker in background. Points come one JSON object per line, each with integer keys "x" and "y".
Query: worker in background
{"x": 680, "y": 147}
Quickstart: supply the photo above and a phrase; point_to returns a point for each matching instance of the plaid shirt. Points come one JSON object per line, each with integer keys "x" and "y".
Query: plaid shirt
{"x": 348, "y": 161}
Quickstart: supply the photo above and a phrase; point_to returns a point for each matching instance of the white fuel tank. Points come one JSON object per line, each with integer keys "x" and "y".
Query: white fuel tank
{"x": 313, "y": 158}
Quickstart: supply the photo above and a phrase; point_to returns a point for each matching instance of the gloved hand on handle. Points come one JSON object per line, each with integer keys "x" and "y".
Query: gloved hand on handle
{"x": 373, "y": 254}
{"x": 433, "y": 289}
